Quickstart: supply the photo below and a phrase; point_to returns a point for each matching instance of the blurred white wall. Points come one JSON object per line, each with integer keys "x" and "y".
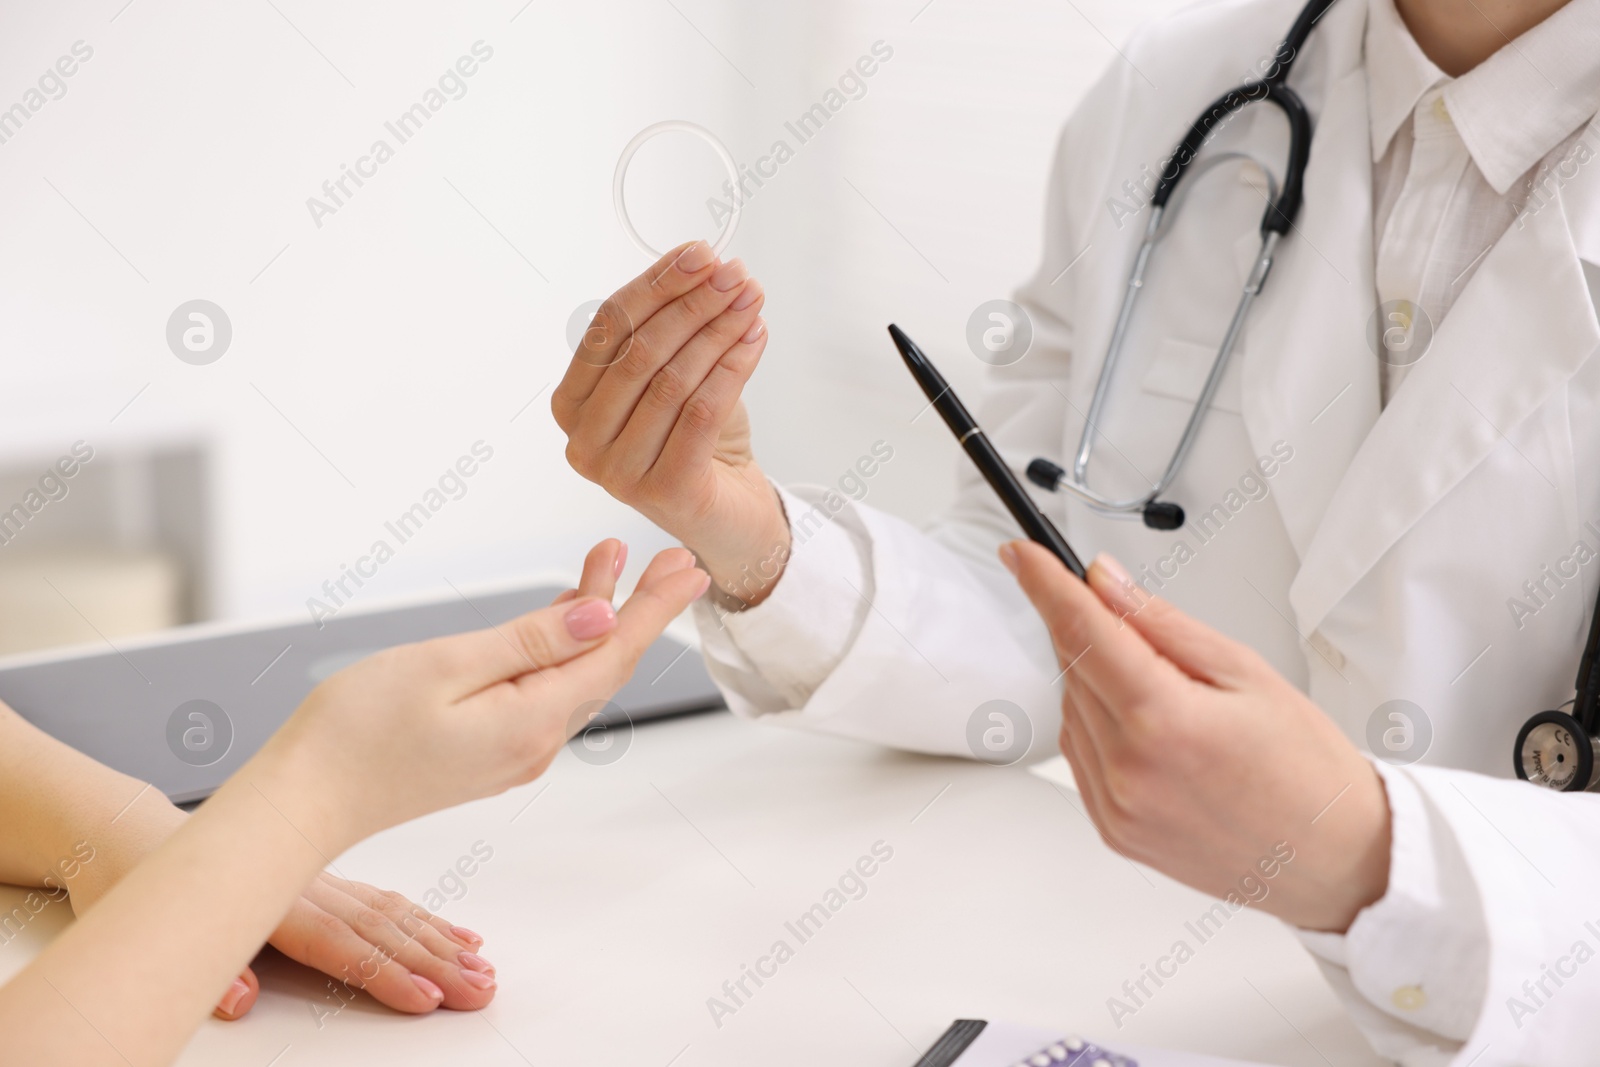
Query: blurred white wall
{"x": 370, "y": 352}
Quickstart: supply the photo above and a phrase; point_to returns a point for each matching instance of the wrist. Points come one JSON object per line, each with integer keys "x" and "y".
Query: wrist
{"x": 307, "y": 790}
{"x": 745, "y": 572}
{"x": 1352, "y": 872}
{"x": 741, "y": 580}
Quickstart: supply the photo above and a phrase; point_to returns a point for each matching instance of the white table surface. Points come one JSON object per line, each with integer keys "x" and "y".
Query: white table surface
{"x": 620, "y": 897}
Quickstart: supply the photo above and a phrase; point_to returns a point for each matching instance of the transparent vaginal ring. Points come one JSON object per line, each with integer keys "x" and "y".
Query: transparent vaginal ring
{"x": 674, "y": 126}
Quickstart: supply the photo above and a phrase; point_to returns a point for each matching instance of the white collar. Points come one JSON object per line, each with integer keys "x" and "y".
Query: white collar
{"x": 1511, "y": 109}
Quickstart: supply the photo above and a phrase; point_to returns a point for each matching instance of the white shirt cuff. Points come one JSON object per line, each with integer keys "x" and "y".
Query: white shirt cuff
{"x": 773, "y": 656}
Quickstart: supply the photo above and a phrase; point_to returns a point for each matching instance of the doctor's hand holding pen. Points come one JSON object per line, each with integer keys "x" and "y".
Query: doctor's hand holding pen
{"x": 402, "y": 733}
{"x": 1165, "y": 722}
{"x": 650, "y": 405}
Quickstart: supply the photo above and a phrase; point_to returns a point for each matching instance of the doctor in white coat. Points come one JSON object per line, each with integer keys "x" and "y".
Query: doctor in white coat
{"x": 1374, "y": 516}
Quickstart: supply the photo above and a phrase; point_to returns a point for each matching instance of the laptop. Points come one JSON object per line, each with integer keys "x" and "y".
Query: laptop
{"x": 185, "y": 708}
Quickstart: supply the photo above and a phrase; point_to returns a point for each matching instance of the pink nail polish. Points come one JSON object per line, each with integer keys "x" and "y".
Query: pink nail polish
{"x": 471, "y": 961}
{"x": 696, "y": 257}
{"x": 728, "y": 275}
{"x": 230, "y": 1000}
{"x": 432, "y": 991}
{"x": 754, "y": 333}
{"x": 591, "y": 619}
{"x": 476, "y": 980}
{"x": 467, "y": 935}
{"x": 622, "y": 561}
{"x": 750, "y": 294}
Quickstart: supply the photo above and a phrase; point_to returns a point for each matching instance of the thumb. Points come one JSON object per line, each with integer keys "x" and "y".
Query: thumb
{"x": 564, "y": 633}
{"x": 1195, "y": 648}
{"x": 240, "y": 997}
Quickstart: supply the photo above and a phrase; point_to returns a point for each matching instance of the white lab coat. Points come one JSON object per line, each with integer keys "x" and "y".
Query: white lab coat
{"x": 1380, "y": 565}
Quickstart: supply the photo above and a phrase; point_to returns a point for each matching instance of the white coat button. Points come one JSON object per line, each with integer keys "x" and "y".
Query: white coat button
{"x": 1325, "y": 650}
{"x": 1410, "y": 998}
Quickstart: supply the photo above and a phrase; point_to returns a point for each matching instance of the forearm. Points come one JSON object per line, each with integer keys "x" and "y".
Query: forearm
{"x": 185, "y": 920}
{"x": 53, "y": 799}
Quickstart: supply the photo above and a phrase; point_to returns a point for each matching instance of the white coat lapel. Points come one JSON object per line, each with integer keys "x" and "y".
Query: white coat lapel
{"x": 1310, "y": 379}
{"x": 1518, "y": 332}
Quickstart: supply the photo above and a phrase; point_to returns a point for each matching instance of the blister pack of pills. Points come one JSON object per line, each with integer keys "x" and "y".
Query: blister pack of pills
{"x": 1073, "y": 1051}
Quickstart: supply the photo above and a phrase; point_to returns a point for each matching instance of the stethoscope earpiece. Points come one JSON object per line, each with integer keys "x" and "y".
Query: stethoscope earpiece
{"x": 1555, "y": 751}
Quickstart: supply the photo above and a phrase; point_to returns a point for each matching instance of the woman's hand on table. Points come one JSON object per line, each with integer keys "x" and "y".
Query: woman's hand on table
{"x": 337, "y": 926}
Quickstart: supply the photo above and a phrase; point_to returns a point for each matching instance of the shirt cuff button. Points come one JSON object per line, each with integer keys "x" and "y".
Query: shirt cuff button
{"x": 1409, "y": 998}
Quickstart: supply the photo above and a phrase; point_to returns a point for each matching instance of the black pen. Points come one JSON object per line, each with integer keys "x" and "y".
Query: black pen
{"x": 1034, "y": 523}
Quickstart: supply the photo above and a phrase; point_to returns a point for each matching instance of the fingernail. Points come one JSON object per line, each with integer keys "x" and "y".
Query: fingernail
{"x": 705, "y": 583}
{"x": 754, "y": 333}
{"x": 466, "y": 935}
{"x": 230, "y": 1000}
{"x": 476, "y": 980}
{"x": 728, "y": 275}
{"x": 751, "y": 293}
{"x": 474, "y": 962}
{"x": 1008, "y": 556}
{"x": 1112, "y": 569}
{"x": 1116, "y": 580}
{"x": 432, "y": 991}
{"x": 622, "y": 560}
{"x": 590, "y": 619}
{"x": 696, "y": 257}
{"x": 673, "y": 560}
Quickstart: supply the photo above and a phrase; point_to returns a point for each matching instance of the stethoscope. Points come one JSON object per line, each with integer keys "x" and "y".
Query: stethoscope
{"x": 1558, "y": 750}
{"x": 1282, "y": 207}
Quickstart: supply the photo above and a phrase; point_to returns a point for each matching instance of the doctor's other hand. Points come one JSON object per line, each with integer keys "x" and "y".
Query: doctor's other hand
{"x": 652, "y": 412}
{"x": 1195, "y": 757}
{"x": 427, "y": 726}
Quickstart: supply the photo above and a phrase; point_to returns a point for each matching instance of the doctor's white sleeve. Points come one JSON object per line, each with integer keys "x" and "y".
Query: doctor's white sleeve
{"x": 1485, "y": 948}
{"x": 879, "y": 632}
{"x": 774, "y": 657}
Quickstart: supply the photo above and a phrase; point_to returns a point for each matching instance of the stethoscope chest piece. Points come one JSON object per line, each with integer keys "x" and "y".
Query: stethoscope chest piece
{"x": 1555, "y": 751}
